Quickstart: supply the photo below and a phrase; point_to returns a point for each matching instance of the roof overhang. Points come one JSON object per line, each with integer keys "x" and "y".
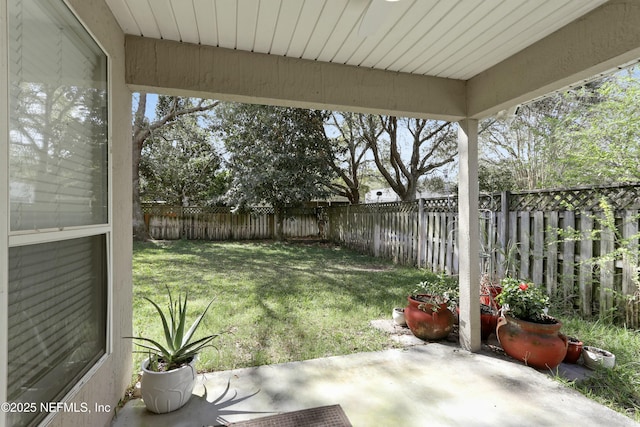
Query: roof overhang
{"x": 599, "y": 40}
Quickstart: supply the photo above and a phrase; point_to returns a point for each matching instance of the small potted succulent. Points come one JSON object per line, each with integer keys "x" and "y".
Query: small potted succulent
{"x": 169, "y": 374}
{"x": 428, "y": 312}
{"x": 524, "y": 330}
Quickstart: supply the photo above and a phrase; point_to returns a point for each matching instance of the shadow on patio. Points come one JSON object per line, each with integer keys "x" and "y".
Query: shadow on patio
{"x": 434, "y": 384}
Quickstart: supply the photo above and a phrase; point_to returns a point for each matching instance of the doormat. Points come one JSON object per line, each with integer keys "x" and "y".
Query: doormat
{"x": 322, "y": 416}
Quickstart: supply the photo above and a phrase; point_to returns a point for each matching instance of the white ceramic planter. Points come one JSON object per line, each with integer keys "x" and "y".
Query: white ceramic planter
{"x": 594, "y": 357}
{"x": 164, "y": 392}
{"x": 398, "y": 316}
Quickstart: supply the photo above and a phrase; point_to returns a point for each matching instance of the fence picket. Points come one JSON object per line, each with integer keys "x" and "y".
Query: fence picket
{"x": 424, "y": 233}
{"x": 585, "y": 279}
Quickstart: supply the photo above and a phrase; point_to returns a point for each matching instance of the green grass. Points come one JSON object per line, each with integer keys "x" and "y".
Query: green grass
{"x": 617, "y": 388}
{"x": 287, "y": 302}
{"x": 281, "y": 302}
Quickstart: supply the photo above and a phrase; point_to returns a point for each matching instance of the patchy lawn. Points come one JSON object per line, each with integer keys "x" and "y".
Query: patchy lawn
{"x": 281, "y": 302}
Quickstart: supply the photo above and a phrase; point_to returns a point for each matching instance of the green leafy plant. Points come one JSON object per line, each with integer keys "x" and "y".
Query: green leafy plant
{"x": 442, "y": 289}
{"x": 179, "y": 347}
{"x": 523, "y": 300}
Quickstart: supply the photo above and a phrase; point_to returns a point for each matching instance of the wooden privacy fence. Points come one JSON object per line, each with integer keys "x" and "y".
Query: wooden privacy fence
{"x": 221, "y": 223}
{"x": 523, "y": 234}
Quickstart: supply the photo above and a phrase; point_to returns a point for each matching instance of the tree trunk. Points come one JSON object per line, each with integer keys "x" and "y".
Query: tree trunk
{"x": 141, "y": 131}
{"x": 139, "y": 135}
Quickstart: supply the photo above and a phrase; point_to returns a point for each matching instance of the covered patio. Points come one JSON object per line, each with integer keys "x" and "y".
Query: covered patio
{"x": 458, "y": 61}
{"x": 434, "y": 384}
{"x": 454, "y": 61}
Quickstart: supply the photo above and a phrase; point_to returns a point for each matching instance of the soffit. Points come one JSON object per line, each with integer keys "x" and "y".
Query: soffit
{"x": 443, "y": 38}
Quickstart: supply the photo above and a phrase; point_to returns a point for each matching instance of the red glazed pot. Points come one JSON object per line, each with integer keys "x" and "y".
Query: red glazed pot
{"x": 489, "y": 294}
{"x": 488, "y": 323}
{"x": 538, "y": 345}
{"x": 428, "y": 324}
{"x": 574, "y": 350}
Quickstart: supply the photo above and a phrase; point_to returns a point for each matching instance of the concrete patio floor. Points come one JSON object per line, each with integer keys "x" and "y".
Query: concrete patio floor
{"x": 419, "y": 385}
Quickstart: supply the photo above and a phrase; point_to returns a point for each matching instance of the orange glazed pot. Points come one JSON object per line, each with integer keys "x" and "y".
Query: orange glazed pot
{"x": 539, "y": 345}
{"x": 574, "y": 350}
{"x": 426, "y": 323}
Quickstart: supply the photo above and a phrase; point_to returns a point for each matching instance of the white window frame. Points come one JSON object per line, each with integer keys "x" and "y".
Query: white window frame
{"x": 20, "y": 238}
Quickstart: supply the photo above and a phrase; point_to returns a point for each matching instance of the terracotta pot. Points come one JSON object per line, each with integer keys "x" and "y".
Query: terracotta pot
{"x": 426, "y": 323}
{"x": 538, "y": 345}
{"x": 574, "y": 350}
{"x": 489, "y": 294}
{"x": 488, "y": 323}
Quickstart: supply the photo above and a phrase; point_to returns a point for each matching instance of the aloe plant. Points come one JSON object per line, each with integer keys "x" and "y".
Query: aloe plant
{"x": 178, "y": 348}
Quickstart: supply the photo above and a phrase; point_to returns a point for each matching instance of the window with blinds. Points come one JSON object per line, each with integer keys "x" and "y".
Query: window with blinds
{"x": 58, "y": 181}
{"x": 57, "y": 318}
{"x": 58, "y": 120}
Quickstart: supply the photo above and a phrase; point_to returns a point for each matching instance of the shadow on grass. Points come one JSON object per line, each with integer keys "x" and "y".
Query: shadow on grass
{"x": 285, "y": 302}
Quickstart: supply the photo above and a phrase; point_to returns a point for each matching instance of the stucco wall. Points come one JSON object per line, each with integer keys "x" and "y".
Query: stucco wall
{"x": 107, "y": 384}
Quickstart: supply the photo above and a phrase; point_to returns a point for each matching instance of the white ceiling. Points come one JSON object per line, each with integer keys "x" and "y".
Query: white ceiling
{"x": 446, "y": 38}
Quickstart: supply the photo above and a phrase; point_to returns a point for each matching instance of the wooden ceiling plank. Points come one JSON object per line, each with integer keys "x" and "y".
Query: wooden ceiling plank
{"x": 165, "y": 19}
{"x": 266, "y": 25}
{"x": 144, "y": 17}
{"x": 325, "y": 25}
{"x": 247, "y": 19}
{"x": 226, "y": 13}
{"x": 286, "y": 26}
{"x": 124, "y": 17}
{"x": 386, "y": 53}
{"x": 185, "y": 15}
{"x": 206, "y": 21}
{"x": 307, "y": 22}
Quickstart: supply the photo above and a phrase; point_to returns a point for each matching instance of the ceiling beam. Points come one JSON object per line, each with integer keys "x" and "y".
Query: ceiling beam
{"x": 600, "y": 41}
{"x": 185, "y": 69}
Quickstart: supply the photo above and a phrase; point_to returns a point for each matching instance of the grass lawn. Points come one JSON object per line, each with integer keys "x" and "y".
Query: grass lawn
{"x": 617, "y": 388}
{"x": 281, "y": 302}
{"x": 287, "y": 302}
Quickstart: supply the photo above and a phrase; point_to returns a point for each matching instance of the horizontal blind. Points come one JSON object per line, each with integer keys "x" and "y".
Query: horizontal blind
{"x": 58, "y": 177}
{"x": 57, "y": 316}
{"x": 58, "y": 120}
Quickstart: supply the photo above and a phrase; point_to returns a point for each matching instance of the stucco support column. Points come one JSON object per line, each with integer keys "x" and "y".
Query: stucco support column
{"x": 469, "y": 235}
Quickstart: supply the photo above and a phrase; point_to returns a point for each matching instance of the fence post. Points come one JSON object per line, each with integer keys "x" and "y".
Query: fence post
{"x": 503, "y": 232}
{"x": 376, "y": 231}
{"x": 421, "y": 232}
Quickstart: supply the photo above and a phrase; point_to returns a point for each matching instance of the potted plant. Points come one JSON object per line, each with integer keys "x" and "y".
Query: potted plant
{"x": 169, "y": 374}
{"x": 524, "y": 330}
{"x": 594, "y": 357}
{"x": 489, "y": 308}
{"x": 428, "y": 313}
{"x": 574, "y": 350}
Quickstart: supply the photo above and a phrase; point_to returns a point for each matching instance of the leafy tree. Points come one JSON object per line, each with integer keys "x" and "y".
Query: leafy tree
{"x": 180, "y": 165}
{"x": 430, "y": 144}
{"x": 345, "y": 154}
{"x": 519, "y": 145}
{"x": 522, "y": 150}
{"x": 277, "y": 156}
{"x": 493, "y": 178}
{"x": 170, "y": 110}
{"x": 605, "y": 139}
